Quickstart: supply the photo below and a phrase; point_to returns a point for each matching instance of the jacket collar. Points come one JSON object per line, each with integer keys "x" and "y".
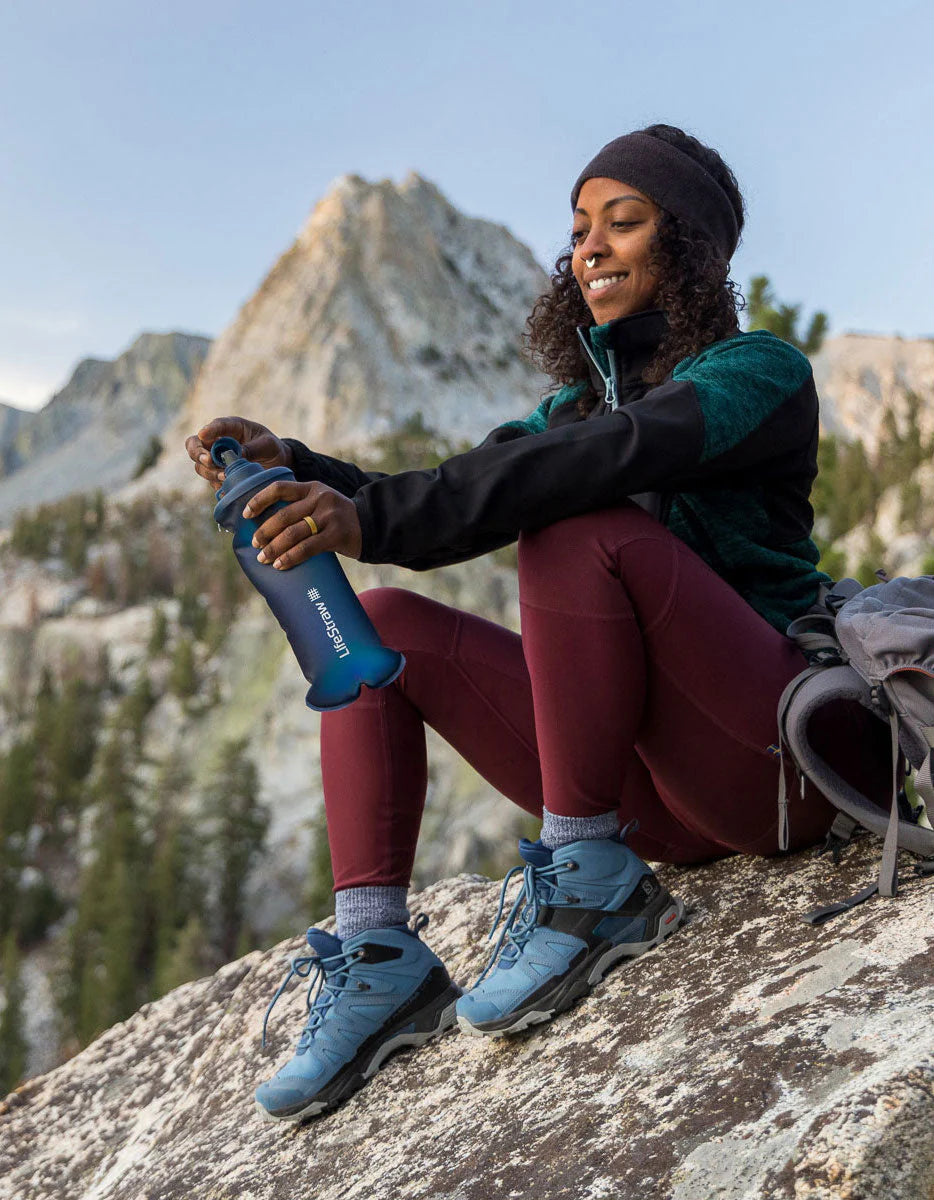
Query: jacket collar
{"x": 632, "y": 339}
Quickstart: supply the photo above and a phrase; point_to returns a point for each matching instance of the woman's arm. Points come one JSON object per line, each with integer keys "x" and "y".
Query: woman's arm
{"x": 347, "y": 478}
{"x": 742, "y": 412}
{"x": 344, "y": 477}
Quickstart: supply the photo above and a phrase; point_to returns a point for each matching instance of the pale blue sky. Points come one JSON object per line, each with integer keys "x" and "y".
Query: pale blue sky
{"x": 156, "y": 159}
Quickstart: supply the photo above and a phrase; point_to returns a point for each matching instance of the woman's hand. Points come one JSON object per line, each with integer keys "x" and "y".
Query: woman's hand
{"x": 286, "y": 539}
{"x": 256, "y": 441}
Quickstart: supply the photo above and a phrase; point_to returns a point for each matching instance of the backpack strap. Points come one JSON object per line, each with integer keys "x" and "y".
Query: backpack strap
{"x": 784, "y": 704}
{"x": 844, "y": 683}
{"x": 924, "y": 780}
{"x": 839, "y": 836}
{"x": 819, "y": 915}
{"x": 887, "y": 883}
{"x": 888, "y": 871}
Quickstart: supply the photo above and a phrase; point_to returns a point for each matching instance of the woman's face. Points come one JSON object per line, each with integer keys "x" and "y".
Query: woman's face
{"x": 613, "y": 224}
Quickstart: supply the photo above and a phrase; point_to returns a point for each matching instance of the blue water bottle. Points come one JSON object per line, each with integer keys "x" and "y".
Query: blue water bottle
{"x": 334, "y": 640}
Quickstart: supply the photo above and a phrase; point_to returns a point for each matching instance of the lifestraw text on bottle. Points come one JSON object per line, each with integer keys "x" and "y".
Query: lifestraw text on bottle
{"x": 336, "y": 645}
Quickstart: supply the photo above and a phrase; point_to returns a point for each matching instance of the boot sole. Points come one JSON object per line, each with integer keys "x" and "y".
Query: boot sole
{"x": 434, "y": 1019}
{"x": 573, "y": 987}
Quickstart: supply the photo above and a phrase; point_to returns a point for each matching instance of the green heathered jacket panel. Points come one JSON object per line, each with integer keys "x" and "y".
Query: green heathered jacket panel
{"x": 740, "y": 382}
{"x": 780, "y": 583}
{"x": 537, "y": 421}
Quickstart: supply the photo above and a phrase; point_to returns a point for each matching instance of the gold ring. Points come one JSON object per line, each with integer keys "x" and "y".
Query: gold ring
{"x": 311, "y": 523}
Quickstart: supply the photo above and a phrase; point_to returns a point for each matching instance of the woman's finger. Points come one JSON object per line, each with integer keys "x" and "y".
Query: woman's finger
{"x": 263, "y": 448}
{"x": 282, "y": 489}
{"x": 293, "y": 515}
{"x": 292, "y": 546}
{"x": 204, "y": 464}
{"x": 197, "y": 452}
{"x": 234, "y": 427}
{"x": 338, "y": 529}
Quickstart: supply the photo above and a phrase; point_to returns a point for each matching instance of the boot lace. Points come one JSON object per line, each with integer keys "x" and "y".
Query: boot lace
{"x": 325, "y": 977}
{"x": 523, "y": 916}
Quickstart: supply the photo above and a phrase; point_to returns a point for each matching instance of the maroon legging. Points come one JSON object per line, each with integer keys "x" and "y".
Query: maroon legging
{"x": 642, "y": 682}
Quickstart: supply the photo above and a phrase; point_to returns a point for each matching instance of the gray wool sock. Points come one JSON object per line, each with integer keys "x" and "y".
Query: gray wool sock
{"x": 359, "y": 908}
{"x": 559, "y": 831}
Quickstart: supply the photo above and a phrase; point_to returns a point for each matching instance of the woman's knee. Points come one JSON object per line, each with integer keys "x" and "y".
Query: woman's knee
{"x": 408, "y": 620}
{"x": 623, "y": 543}
{"x": 387, "y": 607}
{"x": 571, "y": 536}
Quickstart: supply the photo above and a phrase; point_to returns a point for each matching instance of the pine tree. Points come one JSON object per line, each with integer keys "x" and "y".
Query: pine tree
{"x": 189, "y": 957}
{"x": 228, "y": 587}
{"x": 18, "y": 788}
{"x": 106, "y": 940}
{"x": 98, "y": 507}
{"x": 176, "y": 891}
{"x": 159, "y": 636}
{"x": 782, "y": 319}
{"x": 70, "y": 742}
{"x": 240, "y": 824}
{"x": 75, "y": 536}
{"x": 120, "y": 937}
{"x": 136, "y": 707}
{"x": 192, "y": 614}
{"x": 183, "y": 675}
{"x": 319, "y": 893}
{"x": 42, "y": 734}
{"x": 161, "y": 565}
{"x": 13, "y": 1048}
{"x": 17, "y": 807}
{"x": 149, "y": 455}
{"x": 33, "y": 533}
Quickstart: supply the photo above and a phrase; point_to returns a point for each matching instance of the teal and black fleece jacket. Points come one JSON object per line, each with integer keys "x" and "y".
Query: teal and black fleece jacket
{"x": 723, "y": 451}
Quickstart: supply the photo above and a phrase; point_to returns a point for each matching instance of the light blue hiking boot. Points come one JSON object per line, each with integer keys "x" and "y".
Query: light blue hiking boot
{"x": 378, "y": 991}
{"x": 581, "y": 908}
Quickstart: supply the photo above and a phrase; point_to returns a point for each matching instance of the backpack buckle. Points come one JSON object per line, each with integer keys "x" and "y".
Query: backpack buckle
{"x": 839, "y": 836}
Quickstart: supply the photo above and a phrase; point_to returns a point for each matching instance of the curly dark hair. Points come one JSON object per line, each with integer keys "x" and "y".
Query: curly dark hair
{"x": 695, "y": 291}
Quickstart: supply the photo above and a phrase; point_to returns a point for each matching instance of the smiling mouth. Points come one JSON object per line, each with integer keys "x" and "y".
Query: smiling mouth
{"x": 606, "y": 281}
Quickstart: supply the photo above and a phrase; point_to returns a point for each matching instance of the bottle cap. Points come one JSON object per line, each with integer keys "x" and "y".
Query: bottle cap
{"x": 243, "y": 478}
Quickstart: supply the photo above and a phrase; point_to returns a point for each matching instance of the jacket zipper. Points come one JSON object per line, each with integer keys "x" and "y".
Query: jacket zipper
{"x": 609, "y": 382}
{"x": 612, "y": 399}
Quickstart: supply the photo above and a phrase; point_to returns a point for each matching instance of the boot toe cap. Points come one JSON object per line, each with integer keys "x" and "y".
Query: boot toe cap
{"x": 282, "y": 1097}
{"x": 477, "y": 1008}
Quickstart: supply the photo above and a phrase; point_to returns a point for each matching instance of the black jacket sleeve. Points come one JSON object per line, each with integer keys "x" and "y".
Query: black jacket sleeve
{"x": 732, "y": 425}
{"x": 479, "y": 500}
{"x": 344, "y": 477}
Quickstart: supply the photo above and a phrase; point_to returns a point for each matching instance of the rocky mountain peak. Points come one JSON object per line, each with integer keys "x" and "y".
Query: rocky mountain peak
{"x": 388, "y": 302}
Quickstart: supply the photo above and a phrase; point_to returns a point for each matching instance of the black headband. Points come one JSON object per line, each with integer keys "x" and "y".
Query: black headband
{"x": 672, "y": 179}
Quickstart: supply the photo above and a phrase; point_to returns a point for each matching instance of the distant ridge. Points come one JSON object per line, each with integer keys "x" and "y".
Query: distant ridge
{"x": 93, "y": 431}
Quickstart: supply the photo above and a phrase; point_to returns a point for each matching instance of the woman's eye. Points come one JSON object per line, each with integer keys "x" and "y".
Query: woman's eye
{"x": 624, "y": 224}
{"x": 576, "y": 236}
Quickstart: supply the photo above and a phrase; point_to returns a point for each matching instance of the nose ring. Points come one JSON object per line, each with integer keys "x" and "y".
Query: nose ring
{"x": 591, "y": 262}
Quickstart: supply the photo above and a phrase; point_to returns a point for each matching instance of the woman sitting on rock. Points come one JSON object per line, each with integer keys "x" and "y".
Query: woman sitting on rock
{"x": 660, "y": 501}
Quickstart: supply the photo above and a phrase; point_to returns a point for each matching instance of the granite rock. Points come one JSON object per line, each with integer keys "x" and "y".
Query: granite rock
{"x": 751, "y": 1056}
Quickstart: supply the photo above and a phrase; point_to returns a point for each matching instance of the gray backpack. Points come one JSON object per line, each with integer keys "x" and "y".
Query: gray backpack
{"x": 874, "y": 645}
